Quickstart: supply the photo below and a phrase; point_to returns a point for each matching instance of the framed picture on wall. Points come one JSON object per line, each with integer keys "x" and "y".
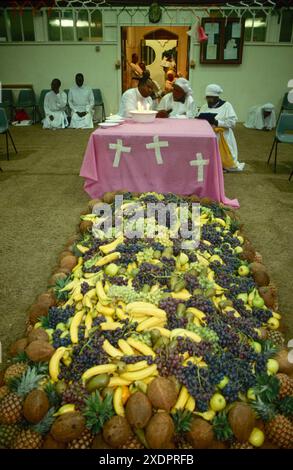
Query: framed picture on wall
{"x": 225, "y": 41}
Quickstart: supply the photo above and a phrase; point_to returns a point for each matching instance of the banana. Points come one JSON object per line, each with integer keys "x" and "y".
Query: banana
{"x": 277, "y": 315}
{"x": 117, "y": 402}
{"x": 82, "y": 249}
{"x": 65, "y": 409}
{"x": 163, "y": 331}
{"x": 108, "y": 259}
{"x": 185, "y": 333}
{"x": 110, "y": 325}
{"x": 74, "y": 326}
{"x": 150, "y": 311}
{"x": 150, "y": 323}
{"x": 140, "y": 319}
{"x": 111, "y": 350}
{"x": 190, "y": 404}
{"x": 181, "y": 400}
{"x": 38, "y": 324}
{"x": 210, "y": 276}
{"x": 54, "y": 364}
{"x": 77, "y": 295}
{"x": 196, "y": 312}
{"x": 97, "y": 370}
{"x": 134, "y": 305}
{"x": 120, "y": 314}
{"x": 202, "y": 260}
{"x": 125, "y": 347}
{"x": 102, "y": 296}
{"x": 111, "y": 246}
{"x": 88, "y": 324}
{"x": 140, "y": 374}
{"x": 141, "y": 347}
{"x": 220, "y": 221}
{"x": 105, "y": 310}
{"x": 137, "y": 366}
{"x": 207, "y": 415}
{"x": 117, "y": 381}
{"x": 149, "y": 379}
{"x": 181, "y": 295}
{"x": 251, "y": 296}
{"x": 193, "y": 360}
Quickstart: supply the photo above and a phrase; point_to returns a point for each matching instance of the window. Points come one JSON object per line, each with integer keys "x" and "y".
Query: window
{"x": 82, "y": 25}
{"x": 286, "y": 26}
{"x": 67, "y": 25}
{"x": 248, "y": 26}
{"x": 255, "y": 26}
{"x": 54, "y": 31}
{"x": 96, "y": 25}
{"x": 28, "y": 25}
{"x": 15, "y": 25}
{"x": 3, "y": 33}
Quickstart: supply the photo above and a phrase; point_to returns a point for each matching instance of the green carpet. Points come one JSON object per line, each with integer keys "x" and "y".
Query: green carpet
{"x": 42, "y": 197}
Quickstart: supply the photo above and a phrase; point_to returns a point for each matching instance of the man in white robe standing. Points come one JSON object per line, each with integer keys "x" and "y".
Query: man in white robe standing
{"x": 54, "y": 106}
{"x": 81, "y": 102}
{"x": 261, "y": 117}
{"x": 221, "y": 115}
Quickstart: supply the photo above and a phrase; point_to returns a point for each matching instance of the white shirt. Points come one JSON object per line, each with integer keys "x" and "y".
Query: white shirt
{"x": 81, "y": 99}
{"x": 187, "y": 108}
{"x": 129, "y": 102}
{"x": 256, "y": 119}
{"x": 54, "y": 105}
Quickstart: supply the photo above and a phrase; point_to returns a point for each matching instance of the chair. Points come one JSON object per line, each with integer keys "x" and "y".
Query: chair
{"x": 99, "y": 101}
{"x": 41, "y": 103}
{"x": 7, "y": 101}
{"x": 27, "y": 99}
{"x": 4, "y": 129}
{"x": 285, "y": 106}
{"x": 285, "y": 124}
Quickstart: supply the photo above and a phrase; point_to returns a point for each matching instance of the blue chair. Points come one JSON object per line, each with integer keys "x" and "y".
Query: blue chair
{"x": 41, "y": 103}
{"x": 285, "y": 106}
{"x": 7, "y": 101}
{"x": 4, "y": 129}
{"x": 99, "y": 101}
{"x": 285, "y": 124}
{"x": 27, "y": 99}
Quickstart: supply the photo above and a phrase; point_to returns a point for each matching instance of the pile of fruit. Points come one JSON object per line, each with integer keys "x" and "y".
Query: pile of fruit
{"x": 139, "y": 343}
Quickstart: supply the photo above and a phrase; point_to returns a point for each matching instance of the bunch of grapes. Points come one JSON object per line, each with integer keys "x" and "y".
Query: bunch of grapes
{"x": 120, "y": 333}
{"x": 168, "y": 361}
{"x": 192, "y": 282}
{"x": 209, "y": 233}
{"x": 202, "y": 303}
{"x": 207, "y": 334}
{"x": 59, "y": 315}
{"x": 173, "y": 320}
{"x": 84, "y": 288}
{"x": 94, "y": 248}
{"x": 226, "y": 336}
{"x": 233, "y": 262}
{"x": 198, "y": 382}
{"x": 145, "y": 256}
{"x": 135, "y": 359}
{"x": 149, "y": 274}
{"x": 117, "y": 280}
{"x": 58, "y": 341}
{"x": 261, "y": 314}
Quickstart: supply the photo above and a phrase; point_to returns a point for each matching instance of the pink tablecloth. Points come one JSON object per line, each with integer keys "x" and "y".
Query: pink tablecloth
{"x": 168, "y": 155}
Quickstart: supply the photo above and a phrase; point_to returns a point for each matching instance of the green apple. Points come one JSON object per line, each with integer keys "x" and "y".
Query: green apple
{"x": 217, "y": 402}
{"x": 258, "y": 301}
{"x": 243, "y": 297}
{"x": 273, "y": 323}
{"x": 272, "y": 366}
{"x": 241, "y": 239}
{"x": 251, "y": 394}
{"x": 238, "y": 250}
{"x": 223, "y": 382}
{"x": 256, "y": 437}
{"x": 256, "y": 346}
{"x": 243, "y": 270}
{"x": 61, "y": 326}
{"x": 111, "y": 269}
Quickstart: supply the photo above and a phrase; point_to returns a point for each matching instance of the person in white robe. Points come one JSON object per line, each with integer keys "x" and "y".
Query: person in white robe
{"x": 81, "y": 102}
{"x": 54, "y": 107}
{"x": 135, "y": 98}
{"x": 221, "y": 115}
{"x": 179, "y": 103}
{"x": 261, "y": 117}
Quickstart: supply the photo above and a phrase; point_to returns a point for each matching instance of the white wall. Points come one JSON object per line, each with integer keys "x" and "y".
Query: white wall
{"x": 262, "y": 77}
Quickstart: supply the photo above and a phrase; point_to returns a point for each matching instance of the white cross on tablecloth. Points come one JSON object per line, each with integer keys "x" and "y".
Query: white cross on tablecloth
{"x": 200, "y": 163}
{"x": 119, "y": 149}
{"x": 156, "y": 145}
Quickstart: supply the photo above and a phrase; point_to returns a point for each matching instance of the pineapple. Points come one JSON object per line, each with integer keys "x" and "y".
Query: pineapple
{"x": 280, "y": 431}
{"x": 286, "y": 385}
{"x": 98, "y": 411}
{"x": 241, "y": 445}
{"x": 276, "y": 337}
{"x": 182, "y": 421}
{"x": 183, "y": 444}
{"x": 8, "y": 434}
{"x": 15, "y": 371}
{"x": 222, "y": 428}
{"x": 83, "y": 442}
{"x": 3, "y": 391}
{"x": 132, "y": 443}
{"x": 11, "y": 404}
{"x": 76, "y": 394}
{"x": 28, "y": 439}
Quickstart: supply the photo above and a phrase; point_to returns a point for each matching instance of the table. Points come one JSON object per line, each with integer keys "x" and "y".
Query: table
{"x": 168, "y": 155}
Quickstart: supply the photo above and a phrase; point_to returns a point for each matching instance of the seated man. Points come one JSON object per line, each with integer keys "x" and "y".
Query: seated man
{"x": 81, "y": 101}
{"x": 261, "y": 117}
{"x": 133, "y": 96}
{"x": 221, "y": 115}
{"x": 54, "y": 107}
{"x": 179, "y": 102}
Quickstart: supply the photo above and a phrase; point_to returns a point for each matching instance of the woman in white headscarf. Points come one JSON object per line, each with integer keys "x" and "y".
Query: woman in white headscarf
{"x": 261, "y": 117}
{"x": 179, "y": 103}
{"x": 221, "y": 115}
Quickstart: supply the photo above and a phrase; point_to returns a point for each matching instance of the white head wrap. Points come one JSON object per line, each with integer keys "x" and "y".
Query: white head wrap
{"x": 184, "y": 84}
{"x": 213, "y": 90}
{"x": 268, "y": 107}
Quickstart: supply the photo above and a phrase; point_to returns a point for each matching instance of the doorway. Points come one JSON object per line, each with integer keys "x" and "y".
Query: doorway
{"x": 154, "y": 46}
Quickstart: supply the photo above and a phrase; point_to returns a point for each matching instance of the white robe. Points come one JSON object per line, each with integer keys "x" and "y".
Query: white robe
{"x": 54, "y": 105}
{"x": 188, "y": 108}
{"x": 129, "y": 102}
{"x": 227, "y": 118}
{"x": 81, "y": 99}
{"x": 256, "y": 119}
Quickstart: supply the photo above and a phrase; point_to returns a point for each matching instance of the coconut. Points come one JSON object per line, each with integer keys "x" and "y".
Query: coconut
{"x": 38, "y": 334}
{"x": 162, "y": 393}
{"x": 64, "y": 253}
{"x": 218, "y": 445}
{"x": 159, "y": 431}
{"x": 71, "y": 240}
{"x": 260, "y": 274}
{"x": 18, "y": 347}
{"x": 200, "y": 435}
{"x": 284, "y": 365}
{"x": 99, "y": 443}
{"x": 36, "y": 311}
{"x": 85, "y": 226}
{"x": 39, "y": 351}
{"x": 117, "y": 431}
{"x": 68, "y": 262}
{"x": 242, "y": 421}
{"x": 109, "y": 197}
{"x": 56, "y": 277}
{"x": 138, "y": 410}
{"x": 35, "y": 406}
{"x": 68, "y": 426}
{"x": 248, "y": 252}
{"x": 47, "y": 299}
{"x": 92, "y": 203}
{"x": 50, "y": 443}
{"x": 267, "y": 295}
